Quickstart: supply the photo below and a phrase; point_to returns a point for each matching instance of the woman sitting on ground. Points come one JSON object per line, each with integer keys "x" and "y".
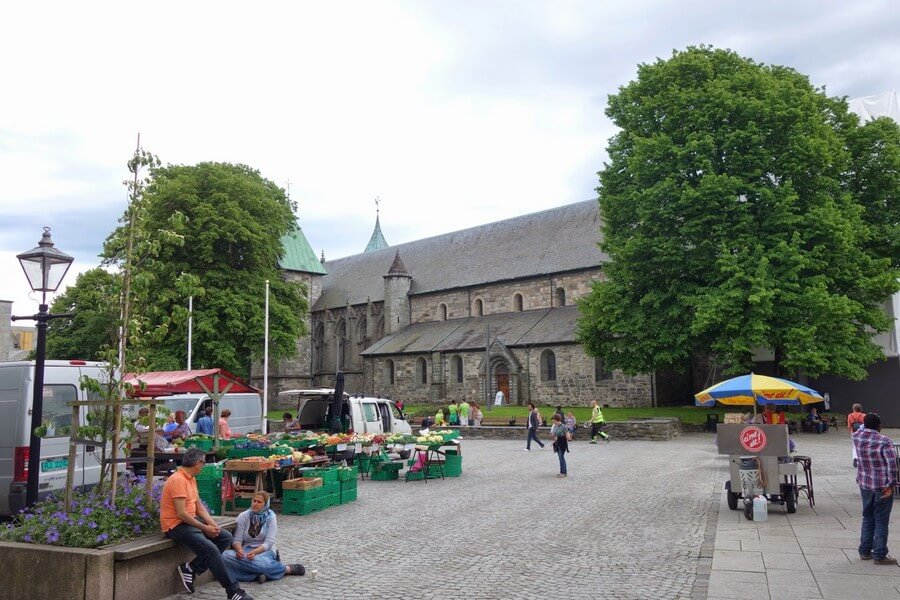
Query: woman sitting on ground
{"x": 253, "y": 556}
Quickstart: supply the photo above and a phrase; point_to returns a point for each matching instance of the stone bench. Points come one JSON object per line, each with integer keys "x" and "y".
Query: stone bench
{"x": 141, "y": 568}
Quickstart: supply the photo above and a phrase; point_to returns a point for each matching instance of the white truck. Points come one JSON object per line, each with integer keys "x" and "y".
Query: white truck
{"x": 61, "y": 386}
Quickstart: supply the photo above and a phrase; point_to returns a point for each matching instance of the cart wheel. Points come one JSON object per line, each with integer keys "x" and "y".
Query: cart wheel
{"x": 748, "y": 510}
{"x": 732, "y": 497}
{"x": 789, "y": 496}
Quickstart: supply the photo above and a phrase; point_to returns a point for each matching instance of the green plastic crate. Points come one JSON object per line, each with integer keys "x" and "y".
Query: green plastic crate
{"x": 248, "y": 452}
{"x": 304, "y": 495}
{"x": 328, "y": 475}
{"x": 205, "y": 445}
{"x": 348, "y": 495}
{"x": 332, "y": 500}
{"x": 347, "y": 474}
{"x": 453, "y": 465}
{"x": 209, "y": 487}
{"x": 242, "y": 502}
{"x": 303, "y": 507}
{"x": 385, "y": 475}
{"x": 415, "y": 475}
{"x": 298, "y": 444}
{"x": 349, "y": 485}
{"x": 211, "y": 471}
{"x": 434, "y": 470}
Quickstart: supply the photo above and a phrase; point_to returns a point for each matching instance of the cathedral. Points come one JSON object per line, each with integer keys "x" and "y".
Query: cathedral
{"x": 462, "y": 316}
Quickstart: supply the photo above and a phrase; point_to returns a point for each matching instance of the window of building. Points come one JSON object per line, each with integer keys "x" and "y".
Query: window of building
{"x": 389, "y": 372}
{"x": 456, "y": 369}
{"x": 548, "y": 365}
{"x": 421, "y": 371}
{"x": 479, "y": 308}
{"x": 518, "y": 305}
{"x": 319, "y": 348}
{"x": 601, "y": 373}
{"x": 362, "y": 340}
{"x": 443, "y": 312}
{"x": 343, "y": 346}
{"x": 560, "y": 297}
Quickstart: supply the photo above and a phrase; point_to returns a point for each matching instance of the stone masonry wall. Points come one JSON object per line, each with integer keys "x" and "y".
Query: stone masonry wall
{"x": 536, "y": 293}
{"x": 427, "y": 307}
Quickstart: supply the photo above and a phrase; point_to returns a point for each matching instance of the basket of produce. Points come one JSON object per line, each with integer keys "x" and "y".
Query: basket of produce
{"x": 302, "y": 483}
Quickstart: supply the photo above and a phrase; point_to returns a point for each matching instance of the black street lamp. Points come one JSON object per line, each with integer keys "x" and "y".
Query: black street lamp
{"x": 45, "y": 267}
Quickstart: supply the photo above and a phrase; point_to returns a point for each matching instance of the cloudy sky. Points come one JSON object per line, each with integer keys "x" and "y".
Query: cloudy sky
{"x": 454, "y": 113}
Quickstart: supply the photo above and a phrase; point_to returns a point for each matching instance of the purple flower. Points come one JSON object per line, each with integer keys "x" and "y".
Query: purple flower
{"x": 102, "y": 537}
{"x": 52, "y": 536}
{"x": 87, "y": 511}
{"x": 92, "y": 525}
{"x": 27, "y": 538}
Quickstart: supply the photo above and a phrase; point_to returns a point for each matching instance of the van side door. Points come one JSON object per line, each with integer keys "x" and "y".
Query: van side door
{"x": 372, "y": 418}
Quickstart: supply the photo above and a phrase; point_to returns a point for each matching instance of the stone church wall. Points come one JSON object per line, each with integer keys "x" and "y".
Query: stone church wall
{"x": 427, "y": 307}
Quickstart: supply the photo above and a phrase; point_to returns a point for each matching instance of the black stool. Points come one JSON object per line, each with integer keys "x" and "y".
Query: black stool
{"x": 806, "y": 461}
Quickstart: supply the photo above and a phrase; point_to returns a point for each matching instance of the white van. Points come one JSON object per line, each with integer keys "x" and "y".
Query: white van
{"x": 61, "y": 386}
{"x": 246, "y": 410}
{"x": 366, "y": 415}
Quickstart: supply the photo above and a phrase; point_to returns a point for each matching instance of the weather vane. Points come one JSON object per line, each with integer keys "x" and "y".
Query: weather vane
{"x": 377, "y": 201}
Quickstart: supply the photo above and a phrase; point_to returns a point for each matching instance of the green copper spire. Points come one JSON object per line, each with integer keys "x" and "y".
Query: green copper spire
{"x": 299, "y": 255}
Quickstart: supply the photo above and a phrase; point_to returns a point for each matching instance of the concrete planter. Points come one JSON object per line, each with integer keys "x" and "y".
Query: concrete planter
{"x": 142, "y": 568}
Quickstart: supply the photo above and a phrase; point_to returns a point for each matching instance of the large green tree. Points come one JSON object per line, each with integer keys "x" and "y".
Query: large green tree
{"x": 739, "y": 213}
{"x": 93, "y": 302}
{"x": 231, "y": 221}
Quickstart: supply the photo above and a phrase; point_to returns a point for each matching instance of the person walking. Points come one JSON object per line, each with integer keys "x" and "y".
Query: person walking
{"x": 534, "y": 421}
{"x": 185, "y": 520}
{"x": 597, "y": 422}
{"x": 560, "y": 433}
{"x": 876, "y": 477}
{"x": 252, "y": 556}
{"x": 464, "y": 414}
{"x": 854, "y": 422}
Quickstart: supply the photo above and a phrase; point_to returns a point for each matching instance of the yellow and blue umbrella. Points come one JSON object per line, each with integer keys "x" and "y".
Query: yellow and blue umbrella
{"x": 753, "y": 389}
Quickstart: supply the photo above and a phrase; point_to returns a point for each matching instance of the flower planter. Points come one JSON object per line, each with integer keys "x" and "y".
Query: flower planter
{"x": 116, "y": 572}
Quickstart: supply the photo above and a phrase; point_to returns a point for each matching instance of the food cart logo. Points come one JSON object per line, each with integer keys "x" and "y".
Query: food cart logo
{"x": 753, "y": 439}
{"x": 780, "y": 395}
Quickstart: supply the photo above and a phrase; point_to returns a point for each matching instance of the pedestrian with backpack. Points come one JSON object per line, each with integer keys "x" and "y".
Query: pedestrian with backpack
{"x": 597, "y": 422}
{"x": 560, "y": 433}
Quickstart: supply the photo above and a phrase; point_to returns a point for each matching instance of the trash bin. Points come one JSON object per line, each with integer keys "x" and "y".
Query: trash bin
{"x": 712, "y": 420}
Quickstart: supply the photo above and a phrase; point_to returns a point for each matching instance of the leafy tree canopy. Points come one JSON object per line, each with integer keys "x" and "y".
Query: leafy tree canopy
{"x": 226, "y": 223}
{"x": 93, "y": 302}
{"x": 743, "y": 209}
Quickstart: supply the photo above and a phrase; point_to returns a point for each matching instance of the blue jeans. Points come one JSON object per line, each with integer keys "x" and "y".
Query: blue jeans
{"x": 532, "y": 435}
{"x": 876, "y": 516}
{"x": 242, "y": 569}
{"x": 208, "y": 551}
{"x": 562, "y": 459}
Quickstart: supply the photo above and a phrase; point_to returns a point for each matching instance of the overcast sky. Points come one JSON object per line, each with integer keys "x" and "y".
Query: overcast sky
{"x": 454, "y": 113}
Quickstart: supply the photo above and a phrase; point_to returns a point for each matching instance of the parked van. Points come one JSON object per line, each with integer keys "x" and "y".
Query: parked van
{"x": 61, "y": 386}
{"x": 358, "y": 413}
{"x": 246, "y": 410}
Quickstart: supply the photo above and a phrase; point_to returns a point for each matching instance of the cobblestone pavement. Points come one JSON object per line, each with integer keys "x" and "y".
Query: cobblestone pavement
{"x": 628, "y": 522}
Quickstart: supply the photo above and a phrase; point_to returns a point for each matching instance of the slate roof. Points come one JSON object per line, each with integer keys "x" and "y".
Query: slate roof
{"x": 552, "y": 241}
{"x": 377, "y": 241}
{"x": 299, "y": 255}
{"x": 531, "y": 327}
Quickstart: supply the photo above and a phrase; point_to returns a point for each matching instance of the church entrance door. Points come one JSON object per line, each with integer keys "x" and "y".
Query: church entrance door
{"x": 503, "y": 385}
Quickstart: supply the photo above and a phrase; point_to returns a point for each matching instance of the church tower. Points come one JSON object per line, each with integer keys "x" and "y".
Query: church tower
{"x": 396, "y": 297}
{"x": 377, "y": 241}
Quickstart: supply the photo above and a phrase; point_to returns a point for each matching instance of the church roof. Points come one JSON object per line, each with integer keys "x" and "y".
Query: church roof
{"x": 298, "y": 254}
{"x": 527, "y": 328}
{"x": 377, "y": 241}
{"x": 552, "y": 241}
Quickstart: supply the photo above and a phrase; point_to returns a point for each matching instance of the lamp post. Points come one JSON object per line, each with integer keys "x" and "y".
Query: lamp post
{"x": 45, "y": 267}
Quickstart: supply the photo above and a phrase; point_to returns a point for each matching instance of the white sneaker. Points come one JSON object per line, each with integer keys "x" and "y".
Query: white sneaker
{"x": 527, "y": 449}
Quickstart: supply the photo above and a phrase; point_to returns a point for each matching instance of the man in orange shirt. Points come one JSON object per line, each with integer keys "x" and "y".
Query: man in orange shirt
{"x": 184, "y": 519}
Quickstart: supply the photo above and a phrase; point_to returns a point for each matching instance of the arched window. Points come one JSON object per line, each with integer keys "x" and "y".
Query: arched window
{"x": 456, "y": 369}
{"x": 379, "y": 329}
{"x": 443, "y": 312}
{"x": 319, "y": 348}
{"x": 600, "y": 371}
{"x": 421, "y": 371}
{"x": 560, "y": 296}
{"x": 479, "y": 308}
{"x": 548, "y": 366}
{"x": 388, "y": 372}
{"x": 517, "y": 303}
{"x": 343, "y": 346}
{"x": 362, "y": 340}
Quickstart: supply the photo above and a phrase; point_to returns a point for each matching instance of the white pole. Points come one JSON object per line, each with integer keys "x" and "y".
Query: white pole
{"x": 190, "y": 327}
{"x": 265, "y": 410}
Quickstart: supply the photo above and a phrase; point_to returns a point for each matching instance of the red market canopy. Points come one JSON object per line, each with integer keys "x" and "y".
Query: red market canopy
{"x": 213, "y": 382}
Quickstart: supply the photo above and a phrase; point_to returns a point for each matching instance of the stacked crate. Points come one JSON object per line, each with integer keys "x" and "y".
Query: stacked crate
{"x": 347, "y": 476}
{"x": 306, "y": 498}
{"x": 209, "y": 486}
